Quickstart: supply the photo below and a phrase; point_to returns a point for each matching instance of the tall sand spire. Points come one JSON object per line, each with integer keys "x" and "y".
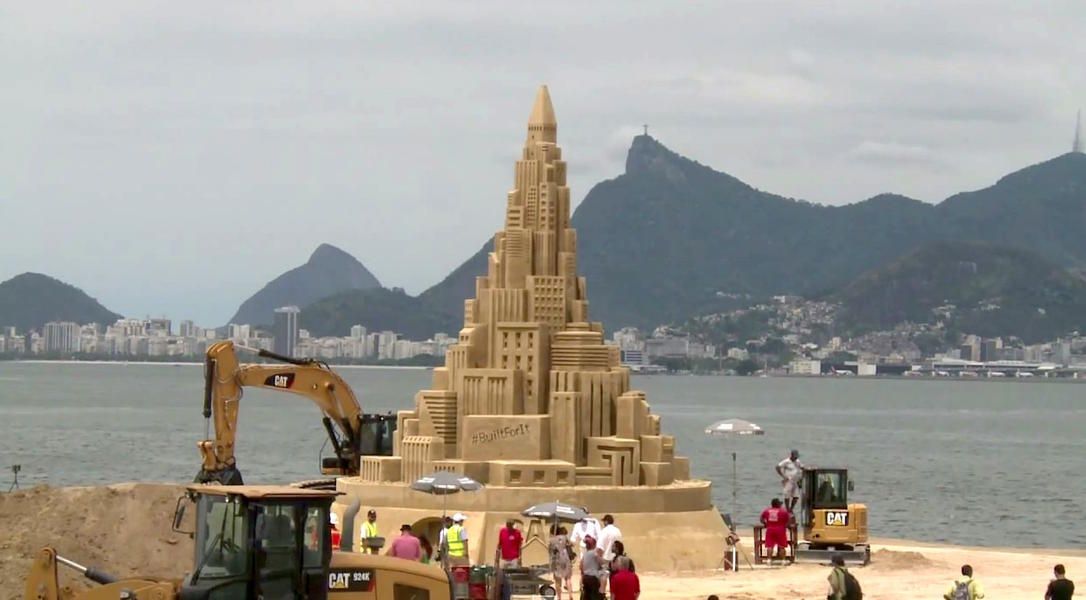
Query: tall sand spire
{"x": 542, "y": 124}
{"x": 534, "y": 404}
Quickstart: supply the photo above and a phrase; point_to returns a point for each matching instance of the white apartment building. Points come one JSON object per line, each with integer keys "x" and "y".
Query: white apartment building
{"x": 61, "y": 336}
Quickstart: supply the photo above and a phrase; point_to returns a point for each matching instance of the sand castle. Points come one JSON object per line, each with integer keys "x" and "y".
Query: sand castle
{"x": 532, "y": 402}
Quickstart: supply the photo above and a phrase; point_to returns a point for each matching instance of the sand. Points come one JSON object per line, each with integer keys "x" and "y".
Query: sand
{"x": 899, "y": 570}
{"x": 125, "y": 529}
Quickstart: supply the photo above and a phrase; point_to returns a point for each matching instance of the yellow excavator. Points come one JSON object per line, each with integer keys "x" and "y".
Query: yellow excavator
{"x": 266, "y": 542}
{"x": 351, "y": 433}
{"x": 830, "y": 524}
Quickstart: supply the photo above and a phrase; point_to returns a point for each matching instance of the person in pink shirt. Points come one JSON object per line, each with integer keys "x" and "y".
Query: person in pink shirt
{"x": 406, "y": 546}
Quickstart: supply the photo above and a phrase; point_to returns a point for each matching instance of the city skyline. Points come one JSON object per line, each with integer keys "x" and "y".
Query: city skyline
{"x": 156, "y": 338}
{"x": 161, "y": 151}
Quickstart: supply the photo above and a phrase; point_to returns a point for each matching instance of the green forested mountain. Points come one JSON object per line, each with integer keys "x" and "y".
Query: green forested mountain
{"x": 328, "y": 271}
{"x": 669, "y": 237}
{"x": 379, "y": 309}
{"x": 974, "y": 287}
{"x": 31, "y": 300}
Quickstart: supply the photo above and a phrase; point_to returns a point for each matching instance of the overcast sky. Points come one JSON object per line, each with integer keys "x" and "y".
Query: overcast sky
{"x": 172, "y": 157}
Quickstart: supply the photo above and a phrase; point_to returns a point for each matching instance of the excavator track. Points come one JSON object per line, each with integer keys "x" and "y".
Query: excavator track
{"x": 316, "y": 484}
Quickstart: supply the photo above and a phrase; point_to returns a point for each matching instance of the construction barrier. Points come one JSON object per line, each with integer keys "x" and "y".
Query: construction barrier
{"x": 761, "y": 553}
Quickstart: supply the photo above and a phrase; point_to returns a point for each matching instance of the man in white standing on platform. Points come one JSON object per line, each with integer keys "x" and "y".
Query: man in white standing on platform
{"x": 586, "y": 527}
{"x": 791, "y": 472}
{"x": 608, "y": 536}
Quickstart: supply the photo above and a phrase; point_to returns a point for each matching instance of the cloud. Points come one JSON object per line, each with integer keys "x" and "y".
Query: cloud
{"x": 892, "y": 154}
{"x": 174, "y": 157}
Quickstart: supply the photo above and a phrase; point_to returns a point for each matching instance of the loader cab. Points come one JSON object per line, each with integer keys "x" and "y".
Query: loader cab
{"x": 259, "y": 542}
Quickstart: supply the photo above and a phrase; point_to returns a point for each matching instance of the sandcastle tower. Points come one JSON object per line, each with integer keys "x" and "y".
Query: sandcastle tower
{"x": 531, "y": 402}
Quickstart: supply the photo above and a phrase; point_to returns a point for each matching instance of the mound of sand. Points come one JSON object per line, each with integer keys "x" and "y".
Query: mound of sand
{"x": 898, "y": 560}
{"x": 124, "y": 529}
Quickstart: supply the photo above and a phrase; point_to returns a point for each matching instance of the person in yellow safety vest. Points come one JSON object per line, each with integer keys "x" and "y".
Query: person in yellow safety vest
{"x": 456, "y": 537}
{"x": 368, "y": 530}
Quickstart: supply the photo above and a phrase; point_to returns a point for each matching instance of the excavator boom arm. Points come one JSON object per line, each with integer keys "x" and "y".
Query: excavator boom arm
{"x": 225, "y": 380}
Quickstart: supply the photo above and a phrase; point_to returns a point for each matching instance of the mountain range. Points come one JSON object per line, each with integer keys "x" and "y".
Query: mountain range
{"x": 670, "y": 237}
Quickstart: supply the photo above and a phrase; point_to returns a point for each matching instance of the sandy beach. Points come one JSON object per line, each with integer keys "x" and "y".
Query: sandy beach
{"x": 125, "y": 529}
{"x": 899, "y": 570}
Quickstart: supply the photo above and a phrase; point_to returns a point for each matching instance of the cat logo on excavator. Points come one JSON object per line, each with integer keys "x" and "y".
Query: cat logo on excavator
{"x": 280, "y": 380}
{"x": 837, "y": 518}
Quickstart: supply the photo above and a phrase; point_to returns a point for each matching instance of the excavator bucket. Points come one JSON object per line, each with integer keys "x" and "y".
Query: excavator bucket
{"x": 227, "y": 476}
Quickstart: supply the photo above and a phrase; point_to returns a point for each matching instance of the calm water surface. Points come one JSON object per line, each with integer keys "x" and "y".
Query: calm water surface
{"x": 985, "y": 463}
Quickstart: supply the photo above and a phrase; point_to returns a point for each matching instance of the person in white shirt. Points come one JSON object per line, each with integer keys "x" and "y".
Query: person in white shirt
{"x": 791, "y": 472}
{"x": 584, "y": 528}
{"x": 608, "y": 536}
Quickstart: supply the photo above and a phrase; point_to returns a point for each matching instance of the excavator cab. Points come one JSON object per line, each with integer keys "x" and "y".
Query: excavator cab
{"x": 375, "y": 433}
{"x": 375, "y": 437}
{"x": 830, "y": 524}
{"x": 259, "y": 542}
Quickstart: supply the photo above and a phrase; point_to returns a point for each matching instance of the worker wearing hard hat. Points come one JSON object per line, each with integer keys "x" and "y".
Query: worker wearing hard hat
{"x": 368, "y": 531}
{"x": 455, "y": 540}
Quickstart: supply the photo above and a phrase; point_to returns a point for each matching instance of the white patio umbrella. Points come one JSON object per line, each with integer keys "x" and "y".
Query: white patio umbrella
{"x": 734, "y": 427}
{"x": 443, "y": 483}
{"x": 729, "y": 428}
{"x": 558, "y": 511}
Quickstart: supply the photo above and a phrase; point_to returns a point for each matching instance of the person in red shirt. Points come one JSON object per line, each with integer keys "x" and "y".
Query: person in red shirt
{"x": 776, "y": 519}
{"x": 510, "y": 541}
{"x": 625, "y": 585}
{"x": 316, "y": 532}
{"x": 333, "y": 520}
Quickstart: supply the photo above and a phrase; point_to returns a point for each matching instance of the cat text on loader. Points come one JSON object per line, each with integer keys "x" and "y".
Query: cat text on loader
{"x": 830, "y": 525}
{"x": 352, "y": 433}
{"x": 267, "y": 542}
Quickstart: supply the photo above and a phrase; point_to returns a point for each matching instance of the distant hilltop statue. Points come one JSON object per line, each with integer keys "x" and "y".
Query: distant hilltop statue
{"x": 1077, "y": 145}
{"x": 328, "y": 271}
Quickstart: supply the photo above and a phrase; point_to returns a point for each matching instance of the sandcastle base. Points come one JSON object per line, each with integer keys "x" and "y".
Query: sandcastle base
{"x": 664, "y": 528}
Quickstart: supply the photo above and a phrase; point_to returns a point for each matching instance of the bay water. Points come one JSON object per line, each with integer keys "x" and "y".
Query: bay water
{"x": 990, "y": 463}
